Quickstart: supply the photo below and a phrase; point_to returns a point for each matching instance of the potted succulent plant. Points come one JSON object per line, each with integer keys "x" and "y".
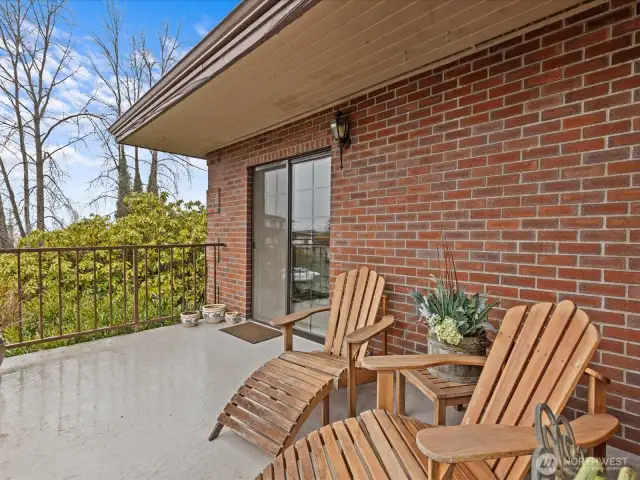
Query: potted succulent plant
{"x": 457, "y": 321}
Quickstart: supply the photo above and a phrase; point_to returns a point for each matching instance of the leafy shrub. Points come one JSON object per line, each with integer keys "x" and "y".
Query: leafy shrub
{"x": 152, "y": 219}
{"x": 8, "y": 306}
{"x": 74, "y": 293}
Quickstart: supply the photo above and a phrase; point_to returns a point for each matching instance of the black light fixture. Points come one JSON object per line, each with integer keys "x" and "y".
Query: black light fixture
{"x": 340, "y": 129}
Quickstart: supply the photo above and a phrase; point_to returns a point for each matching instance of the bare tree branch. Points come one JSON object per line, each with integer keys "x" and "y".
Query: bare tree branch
{"x": 113, "y": 76}
{"x": 13, "y": 17}
{"x": 40, "y": 63}
{"x": 156, "y": 69}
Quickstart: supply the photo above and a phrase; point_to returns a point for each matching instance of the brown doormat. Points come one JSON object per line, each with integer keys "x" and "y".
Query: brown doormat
{"x": 251, "y": 332}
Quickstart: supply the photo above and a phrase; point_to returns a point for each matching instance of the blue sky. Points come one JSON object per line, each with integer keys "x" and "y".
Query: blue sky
{"x": 196, "y": 18}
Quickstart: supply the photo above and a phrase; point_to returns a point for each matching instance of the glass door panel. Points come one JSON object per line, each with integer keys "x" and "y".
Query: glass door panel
{"x": 270, "y": 242}
{"x": 309, "y": 274}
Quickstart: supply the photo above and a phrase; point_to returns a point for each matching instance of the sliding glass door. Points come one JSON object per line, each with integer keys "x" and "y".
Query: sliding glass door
{"x": 291, "y": 203}
{"x": 270, "y": 242}
{"x": 309, "y": 287}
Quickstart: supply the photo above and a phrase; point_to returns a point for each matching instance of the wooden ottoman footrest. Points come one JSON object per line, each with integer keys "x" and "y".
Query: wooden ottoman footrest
{"x": 274, "y": 402}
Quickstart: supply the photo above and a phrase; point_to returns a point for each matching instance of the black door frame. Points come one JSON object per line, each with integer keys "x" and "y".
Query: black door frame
{"x": 288, "y": 162}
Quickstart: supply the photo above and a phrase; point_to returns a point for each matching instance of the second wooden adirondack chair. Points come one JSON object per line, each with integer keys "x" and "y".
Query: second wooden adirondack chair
{"x": 537, "y": 357}
{"x": 274, "y": 402}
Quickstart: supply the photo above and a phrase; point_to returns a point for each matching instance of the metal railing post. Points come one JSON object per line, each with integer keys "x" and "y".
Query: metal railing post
{"x": 216, "y": 258}
{"x": 136, "y": 304}
{"x": 20, "y": 325}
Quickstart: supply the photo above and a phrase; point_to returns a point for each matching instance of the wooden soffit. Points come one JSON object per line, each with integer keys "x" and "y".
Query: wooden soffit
{"x": 271, "y": 62}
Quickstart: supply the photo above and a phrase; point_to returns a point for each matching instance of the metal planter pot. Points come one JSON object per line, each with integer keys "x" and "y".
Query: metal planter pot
{"x": 457, "y": 373}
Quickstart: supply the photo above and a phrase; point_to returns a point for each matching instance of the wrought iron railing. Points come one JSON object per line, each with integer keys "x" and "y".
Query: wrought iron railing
{"x": 65, "y": 293}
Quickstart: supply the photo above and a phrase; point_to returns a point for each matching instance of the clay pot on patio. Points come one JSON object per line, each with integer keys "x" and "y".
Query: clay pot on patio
{"x": 457, "y": 373}
{"x": 189, "y": 319}
{"x": 213, "y": 313}
{"x": 232, "y": 317}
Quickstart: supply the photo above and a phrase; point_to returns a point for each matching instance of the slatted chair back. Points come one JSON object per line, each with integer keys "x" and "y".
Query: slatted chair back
{"x": 536, "y": 357}
{"x": 355, "y": 302}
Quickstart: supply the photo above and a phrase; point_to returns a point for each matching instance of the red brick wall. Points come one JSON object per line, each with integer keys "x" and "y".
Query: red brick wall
{"x": 526, "y": 154}
{"x": 230, "y": 171}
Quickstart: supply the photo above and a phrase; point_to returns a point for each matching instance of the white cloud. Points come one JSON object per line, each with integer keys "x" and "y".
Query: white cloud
{"x": 73, "y": 157}
{"x": 204, "y": 26}
{"x": 201, "y": 29}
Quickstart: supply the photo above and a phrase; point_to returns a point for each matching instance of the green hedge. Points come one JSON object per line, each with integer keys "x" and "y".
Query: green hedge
{"x": 153, "y": 220}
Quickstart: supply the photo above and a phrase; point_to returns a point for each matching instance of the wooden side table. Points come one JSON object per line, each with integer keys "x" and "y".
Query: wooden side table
{"x": 441, "y": 392}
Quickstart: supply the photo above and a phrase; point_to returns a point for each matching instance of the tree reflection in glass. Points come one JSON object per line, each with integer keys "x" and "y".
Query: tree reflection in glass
{"x": 310, "y": 240}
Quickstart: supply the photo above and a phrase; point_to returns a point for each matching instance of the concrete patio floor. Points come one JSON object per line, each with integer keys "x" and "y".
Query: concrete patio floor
{"x": 141, "y": 406}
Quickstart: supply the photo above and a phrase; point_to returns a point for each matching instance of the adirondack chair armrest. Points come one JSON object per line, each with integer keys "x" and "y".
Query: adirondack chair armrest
{"x": 597, "y": 392}
{"x": 354, "y": 341}
{"x": 592, "y": 373}
{"x": 471, "y": 443}
{"x": 364, "y": 334}
{"x": 297, "y": 316}
{"x": 382, "y": 363}
{"x": 387, "y": 365}
{"x": 287, "y": 321}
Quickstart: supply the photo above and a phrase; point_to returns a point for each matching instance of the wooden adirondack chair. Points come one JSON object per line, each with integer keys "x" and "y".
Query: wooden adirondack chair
{"x": 535, "y": 358}
{"x": 271, "y": 406}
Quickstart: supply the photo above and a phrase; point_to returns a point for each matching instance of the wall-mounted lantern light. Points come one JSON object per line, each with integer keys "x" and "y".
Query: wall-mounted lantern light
{"x": 340, "y": 129}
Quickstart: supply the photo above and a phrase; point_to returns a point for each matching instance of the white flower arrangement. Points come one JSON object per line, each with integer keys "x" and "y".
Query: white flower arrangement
{"x": 452, "y": 314}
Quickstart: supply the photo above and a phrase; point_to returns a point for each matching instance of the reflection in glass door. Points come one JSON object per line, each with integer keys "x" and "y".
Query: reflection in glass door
{"x": 309, "y": 287}
{"x": 291, "y": 203}
{"x": 270, "y": 242}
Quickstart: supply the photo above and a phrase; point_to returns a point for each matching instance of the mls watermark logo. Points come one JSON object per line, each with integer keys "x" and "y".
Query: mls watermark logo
{"x": 547, "y": 464}
{"x": 557, "y": 456}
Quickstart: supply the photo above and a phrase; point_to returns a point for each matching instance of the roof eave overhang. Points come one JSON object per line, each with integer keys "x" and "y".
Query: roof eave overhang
{"x": 163, "y": 119}
{"x": 248, "y": 26}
